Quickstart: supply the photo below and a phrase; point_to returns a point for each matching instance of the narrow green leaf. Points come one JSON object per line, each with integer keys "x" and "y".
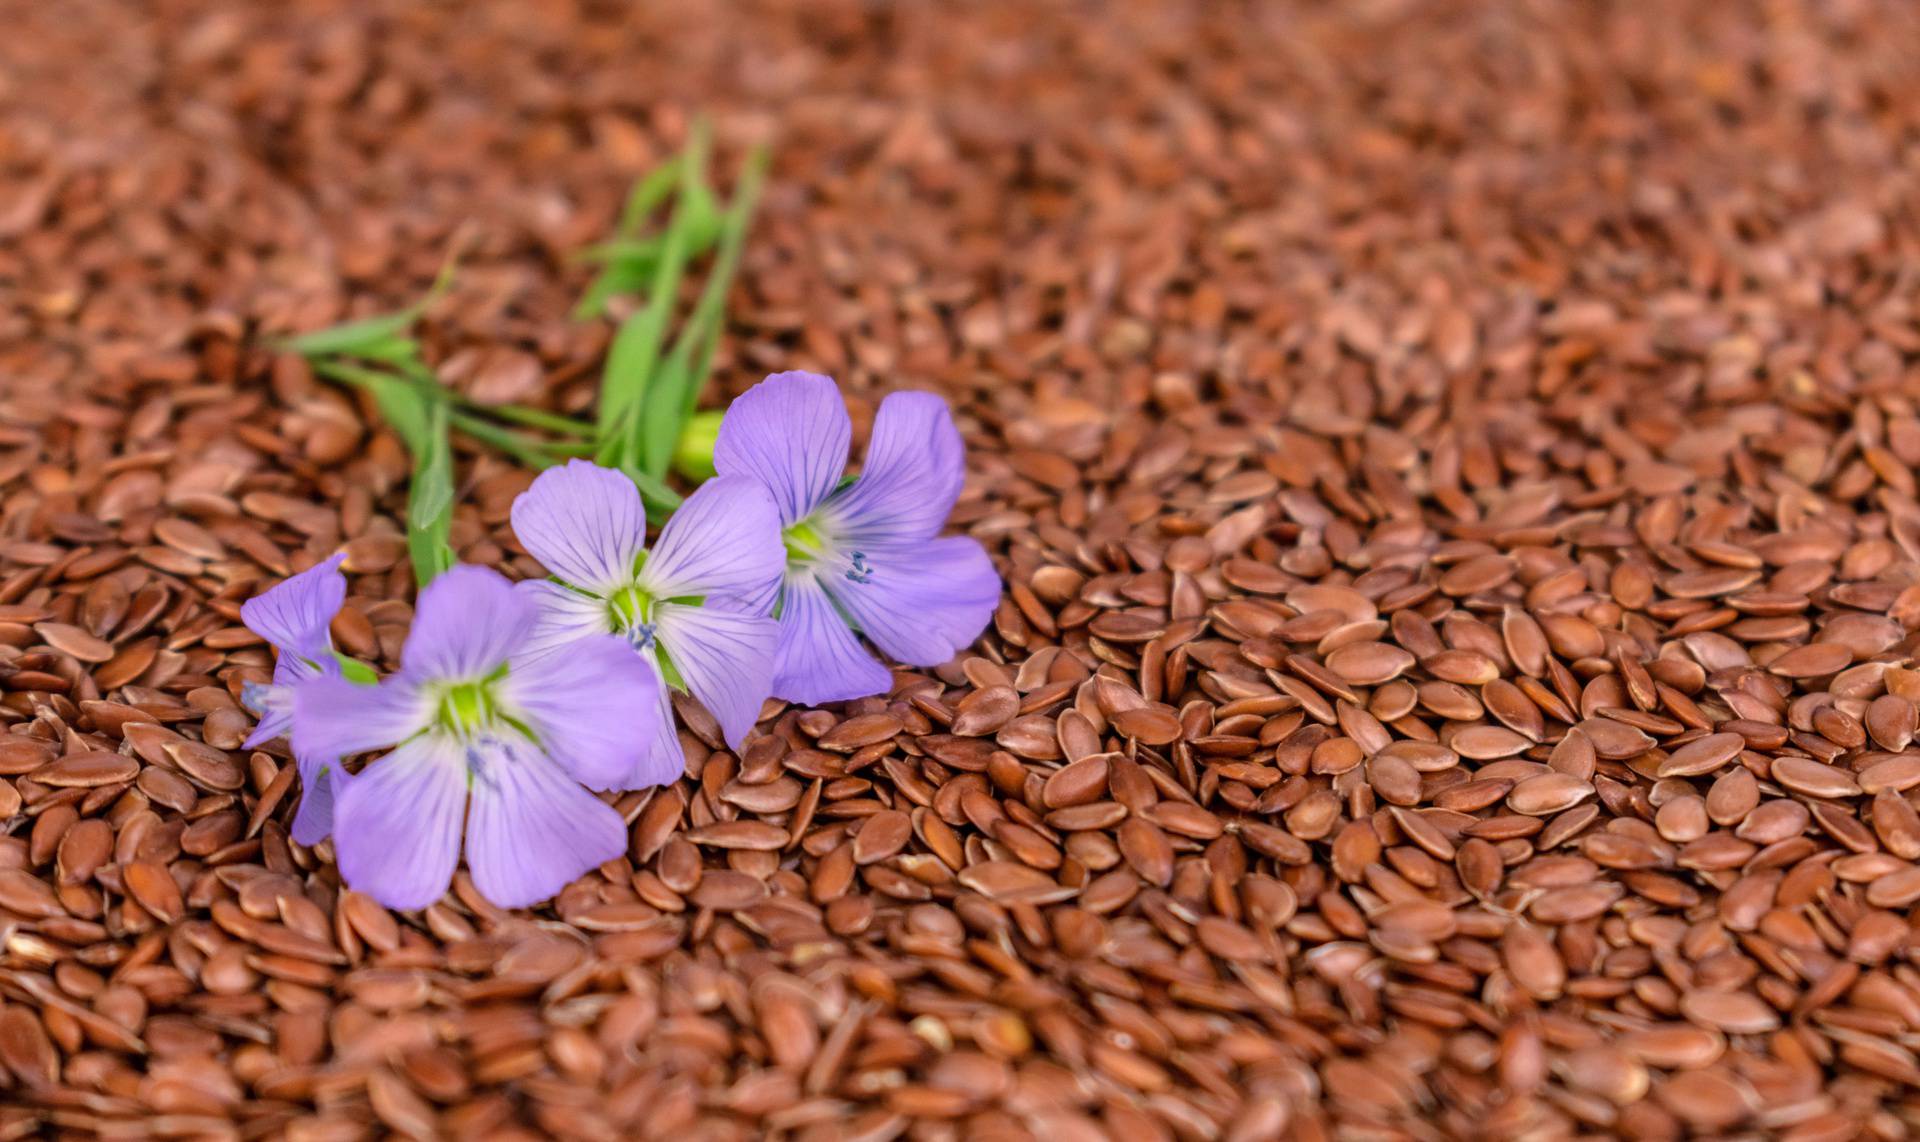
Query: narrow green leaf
{"x": 353, "y": 337}
{"x": 628, "y": 275}
{"x": 623, "y": 386}
{"x": 658, "y": 496}
{"x": 676, "y": 395}
{"x": 430, "y": 498}
{"x": 532, "y": 453}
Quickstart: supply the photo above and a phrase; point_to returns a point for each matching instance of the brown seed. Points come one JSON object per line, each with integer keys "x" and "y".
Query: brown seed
{"x": 88, "y": 770}
{"x": 883, "y": 835}
{"x": 1151, "y": 725}
{"x": 1702, "y": 755}
{"x": 1078, "y": 783}
{"x": 69, "y": 639}
{"x": 1812, "y": 778}
{"x": 1547, "y": 794}
{"x": 152, "y": 885}
{"x": 1815, "y": 660}
{"x": 1369, "y": 663}
{"x": 1735, "y": 1012}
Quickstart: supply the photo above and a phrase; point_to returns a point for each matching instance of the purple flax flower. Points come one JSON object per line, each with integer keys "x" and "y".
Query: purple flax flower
{"x": 481, "y": 729}
{"x": 695, "y": 607}
{"x": 293, "y": 616}
{"x": 864, "y": 554}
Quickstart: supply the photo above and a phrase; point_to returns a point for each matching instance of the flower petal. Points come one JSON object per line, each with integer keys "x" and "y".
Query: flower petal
{"x": 663, "y": 760}
{"x": 294, "y": 615}
{"x": 467, "y": 623}
{"x": 790, "y": 434}
{"x": 531, "y": 829}
{"x": 726, "y": 658}
{"x": 582, "y": 706}
{"x": 333, "y": 717}
{"x": 562, "y": 617}
{"x": 396, "y": 832}
{"x": 583, "y": 522}
{"x": 921, "y": 603}
{"x": 275, "y": 702}
{"x": 725, "y": 541}
{"x": 320, "y": 786}
{"x": 914, "y": 468}
{"x": 819, "y": 659}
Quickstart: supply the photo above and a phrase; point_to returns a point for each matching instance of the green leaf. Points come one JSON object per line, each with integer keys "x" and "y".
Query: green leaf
{"x": 660, "y": 499}
{"x": 636, "y": 350}
{"x": 676, "y": 395}
{"x": 631, "y": 273}
{"x": 381, "y": 337}
{"x": 430, "y": 498}
{"x": 355, "y": 671}
{"x": 354, "y": 337}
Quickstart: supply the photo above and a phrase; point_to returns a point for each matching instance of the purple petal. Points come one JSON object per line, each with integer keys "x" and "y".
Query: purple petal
{"x": 333, "y": 717}
{"x": 562, "y": 617}
{"x": 274, "y": 707}
{"x": 467, "y": 623}
{"x": 320, "y": 786}
{"x": 920, "y": 603}
{"x": 726, "y": 658}
{"x": 582, "y": 706}
{"x": 725, "y": 540}
{"x": 662, "y": 758}
{"x": 583, "y": 522}
{"x": 789, "y": 434}
{"x": 819, "y": 659}
{"x": 532, "y": 830}
{"x": 294, "y": 615}
{"x": 913, "y": 472}
{"x": 275, "y": 703}
{"x": 396, "y": 829}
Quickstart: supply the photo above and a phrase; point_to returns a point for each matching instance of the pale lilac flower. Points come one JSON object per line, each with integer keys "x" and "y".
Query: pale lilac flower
{"x": 694, "y": 608}
{"x": 293, "y": 617}
{"x": 482, "y": 730}
{"x": 866, "y": 554}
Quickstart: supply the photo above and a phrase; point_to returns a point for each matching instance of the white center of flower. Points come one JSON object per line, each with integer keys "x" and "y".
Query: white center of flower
{"x": 811, "y": 543}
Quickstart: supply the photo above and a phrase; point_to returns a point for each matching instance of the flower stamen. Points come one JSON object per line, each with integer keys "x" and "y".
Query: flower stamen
{"x": 861, "y": 571}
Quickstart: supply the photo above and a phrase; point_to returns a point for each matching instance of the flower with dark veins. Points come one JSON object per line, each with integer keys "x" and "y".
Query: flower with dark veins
{"x": 294, "y": 616}
{"x": 694, "y": 608}
{"x": 864, "y": 555}
{"x": 482, "y": 729}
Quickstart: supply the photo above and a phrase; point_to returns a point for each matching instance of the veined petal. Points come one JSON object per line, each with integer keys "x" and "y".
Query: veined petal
{"x": 662, "y": 758}
{"x": 790, "y": 434}
{"x": 531, "y": 829}
{"x": 914, "y": 468}
{"x": 320, "y": 786}
{"x": 581, "y": 706}
{"x": 294, "y": 615}
{"x": 725, "y": 540}
{"x": 920, "y": 603}
{"x": 275, "y": 702}
{"x": 396, "y": 829}
{"x": 466, "y": 623}
{"x": 334, "y": 718}
{"x": 562, "y": 617}
{"x": 726, "y": 658}
{"x": 584, "y": 523}
{"x": 819, "y": 659}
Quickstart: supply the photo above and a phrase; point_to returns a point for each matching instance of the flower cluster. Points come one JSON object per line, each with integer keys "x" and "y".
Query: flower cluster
{"x": 514, "y": 701}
